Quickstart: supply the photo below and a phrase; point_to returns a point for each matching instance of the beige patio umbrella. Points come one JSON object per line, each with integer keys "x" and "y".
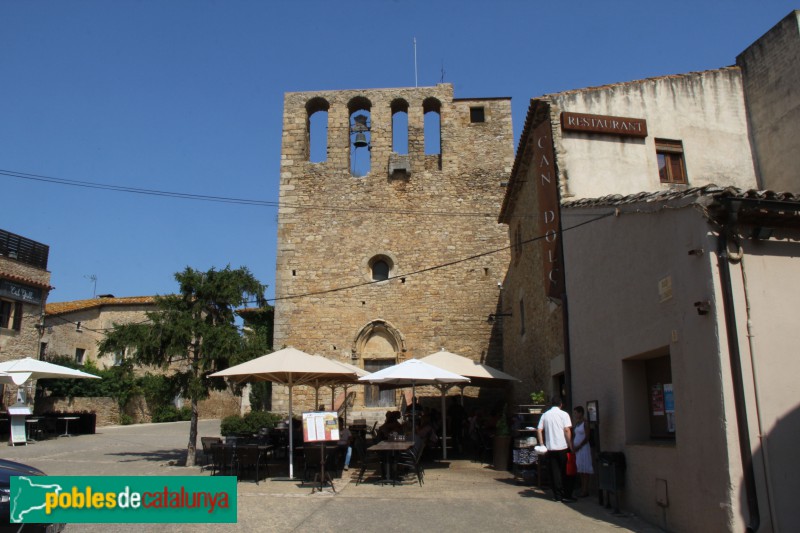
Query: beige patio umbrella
{"x": 479, "y": 375}
{"x": 358, "y": 373}
{"x": 289, "y": 367}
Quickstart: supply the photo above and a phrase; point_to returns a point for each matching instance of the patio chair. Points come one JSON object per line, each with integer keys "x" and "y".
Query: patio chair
{"x": 251, "y": 459}
{"x": 206, "y": 443}
{"x": 223, "y": 460}
{"x": 367, "y": 459}
{"x": 412, "y": 460}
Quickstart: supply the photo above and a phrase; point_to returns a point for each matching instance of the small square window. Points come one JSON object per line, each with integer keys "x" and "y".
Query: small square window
{"x": 671, "y": 165}
{"x": 476, "y": 114}
{"x": 80, "y": 353}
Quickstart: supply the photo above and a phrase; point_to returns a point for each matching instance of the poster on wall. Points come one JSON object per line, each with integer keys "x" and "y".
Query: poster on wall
{"x": 669, "y": 407}
{"x": 657, "y": 400}
{"x": 320, "y": 426}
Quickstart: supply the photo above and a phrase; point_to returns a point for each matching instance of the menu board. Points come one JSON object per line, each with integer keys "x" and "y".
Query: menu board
{"x": 320, "y": 426}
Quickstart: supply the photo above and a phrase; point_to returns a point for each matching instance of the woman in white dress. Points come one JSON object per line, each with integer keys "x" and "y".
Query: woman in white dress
{"x": 583, "y": 451}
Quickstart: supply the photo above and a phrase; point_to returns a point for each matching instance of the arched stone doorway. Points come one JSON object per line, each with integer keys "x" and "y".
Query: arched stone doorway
{"x": 377, "y": 346}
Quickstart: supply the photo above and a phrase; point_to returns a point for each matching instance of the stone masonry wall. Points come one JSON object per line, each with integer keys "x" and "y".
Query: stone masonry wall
{"x": 25, "y": 342}
{"x": 431, "y": 217}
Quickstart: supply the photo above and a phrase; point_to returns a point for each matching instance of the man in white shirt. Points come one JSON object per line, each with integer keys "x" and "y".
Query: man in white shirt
{"x": 557, "y": 427}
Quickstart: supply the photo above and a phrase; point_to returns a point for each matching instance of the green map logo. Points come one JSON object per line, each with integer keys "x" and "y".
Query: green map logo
{"x": 123, "y": 499}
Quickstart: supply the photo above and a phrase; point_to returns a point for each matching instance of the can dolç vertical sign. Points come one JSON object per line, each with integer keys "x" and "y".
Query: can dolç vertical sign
{"x": 549, "y": 213}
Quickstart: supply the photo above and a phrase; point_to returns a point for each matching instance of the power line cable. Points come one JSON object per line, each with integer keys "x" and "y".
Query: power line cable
{"x": 238, "y": 201}
{"x": 435, "y": 267}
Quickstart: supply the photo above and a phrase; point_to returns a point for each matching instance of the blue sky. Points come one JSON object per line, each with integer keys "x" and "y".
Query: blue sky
{"x": 186, "y": 96}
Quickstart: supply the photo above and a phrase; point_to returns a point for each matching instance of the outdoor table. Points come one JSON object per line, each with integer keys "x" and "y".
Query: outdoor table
{"x": 66, "y": 420}
{"x": 391, "y": 448}
{"x": 33, "y": 428}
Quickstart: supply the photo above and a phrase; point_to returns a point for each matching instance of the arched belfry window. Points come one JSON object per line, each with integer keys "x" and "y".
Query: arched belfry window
{"x": 317, "y": 129}
{"x": 432, "y": 108}
{"x": 360, "y": 136}
{"x": 400, "y": 126}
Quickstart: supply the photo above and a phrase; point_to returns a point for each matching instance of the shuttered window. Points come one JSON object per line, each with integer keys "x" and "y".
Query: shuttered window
{"x": 671, "y": 166}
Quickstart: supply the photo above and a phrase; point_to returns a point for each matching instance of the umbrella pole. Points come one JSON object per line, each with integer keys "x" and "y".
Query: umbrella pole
{"x": 444, "y": 423}
{"x": 413, "y": 412}
{"x": 291, "y": 436}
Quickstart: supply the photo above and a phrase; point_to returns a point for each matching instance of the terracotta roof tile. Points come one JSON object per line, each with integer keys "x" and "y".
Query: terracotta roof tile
{"x": 60, "y": 308}
{"x": 27, "y": 281}
{"x": 616, "y": 200}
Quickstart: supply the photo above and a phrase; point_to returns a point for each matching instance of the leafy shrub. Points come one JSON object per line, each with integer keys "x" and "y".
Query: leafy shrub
{"x": 125, "y": 419}
{"x": 170, "y": 413}
{"x": 250, "y": 423}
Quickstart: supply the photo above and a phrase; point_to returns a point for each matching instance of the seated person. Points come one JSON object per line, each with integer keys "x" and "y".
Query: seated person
{"x": 427, "y": 432}
{"x": 345, "y": 443}
{"x": 391, "y": 425}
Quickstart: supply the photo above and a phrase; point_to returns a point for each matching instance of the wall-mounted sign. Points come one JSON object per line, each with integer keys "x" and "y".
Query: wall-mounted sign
{"x": 544, "y": 173}
{"x": 628, "y": 127}
{"x": 19, "y": 292}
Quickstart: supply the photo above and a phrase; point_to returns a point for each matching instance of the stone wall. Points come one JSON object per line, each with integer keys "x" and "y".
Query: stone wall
{"x": 771, "y": 74}
{"x": 219, "y": 405}
{"x": 25, "y": 342}
{"x": 106, "y": 409}
{"x": 431, "y": 216}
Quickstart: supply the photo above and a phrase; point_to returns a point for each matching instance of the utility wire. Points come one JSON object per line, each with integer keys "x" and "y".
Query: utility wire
{"x": 435, "y": 267}
{"x": 233, "y": 200}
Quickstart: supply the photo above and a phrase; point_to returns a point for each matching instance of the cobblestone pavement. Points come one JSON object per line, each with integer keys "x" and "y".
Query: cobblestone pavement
{"x": 457, "y": 496}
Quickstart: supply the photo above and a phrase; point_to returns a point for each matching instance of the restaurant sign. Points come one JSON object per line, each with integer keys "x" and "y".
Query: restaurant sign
{"x": 19, "y": 292}
{"x": 549, "y": 208}
{"x": 627, "y": 127}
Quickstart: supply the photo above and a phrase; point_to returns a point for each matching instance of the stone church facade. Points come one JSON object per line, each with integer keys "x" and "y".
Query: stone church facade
{"x": 397, "y": 261}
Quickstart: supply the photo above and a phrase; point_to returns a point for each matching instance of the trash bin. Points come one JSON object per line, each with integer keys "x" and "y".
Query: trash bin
{"x": 612, "y": 471}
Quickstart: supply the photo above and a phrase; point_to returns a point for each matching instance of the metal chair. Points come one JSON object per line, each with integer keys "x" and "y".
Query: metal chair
{"x": 251, "y": 458}
{"x": 412, "y": 460}
{"x": 206, "y": 442}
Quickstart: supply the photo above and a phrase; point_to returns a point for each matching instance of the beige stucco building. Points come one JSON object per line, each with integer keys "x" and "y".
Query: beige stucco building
{"x": 657, "y": 282}
{"x": 355, "y": 247}
{"x": 683, "y": 328}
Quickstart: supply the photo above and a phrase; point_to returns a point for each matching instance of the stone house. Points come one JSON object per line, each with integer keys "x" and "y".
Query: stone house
{"x": 74, "y": 329}
{"x": 406, "y": 179}
{"x": 24, "y": 288}
{"x": 632, "y": 210}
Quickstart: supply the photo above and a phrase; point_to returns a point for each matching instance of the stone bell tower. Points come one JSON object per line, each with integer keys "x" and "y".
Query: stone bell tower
{"x": 388, "y": 241}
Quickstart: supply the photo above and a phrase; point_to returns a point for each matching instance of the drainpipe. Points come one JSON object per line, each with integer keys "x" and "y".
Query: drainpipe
{"x": 736, "y": 370}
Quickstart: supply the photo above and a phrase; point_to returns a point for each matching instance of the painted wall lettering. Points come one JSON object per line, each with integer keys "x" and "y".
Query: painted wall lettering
{"x": 547, "y": 194}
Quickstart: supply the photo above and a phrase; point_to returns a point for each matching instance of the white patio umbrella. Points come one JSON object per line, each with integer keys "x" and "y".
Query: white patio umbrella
{"x": 413, "y": 372}
{"x": 479, "y": 375}
{"x": 289, "y": 367}
{"x": 21, "y": 370}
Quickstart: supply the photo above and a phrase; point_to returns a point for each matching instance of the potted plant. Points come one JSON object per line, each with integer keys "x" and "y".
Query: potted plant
{"x": 502, "y": 442}
{"x": 537, "y": 397}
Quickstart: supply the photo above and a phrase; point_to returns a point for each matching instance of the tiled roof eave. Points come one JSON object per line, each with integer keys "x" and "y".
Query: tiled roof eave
{"x": 28, "y": 281}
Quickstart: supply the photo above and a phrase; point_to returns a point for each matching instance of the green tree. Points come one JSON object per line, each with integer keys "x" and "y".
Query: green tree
{"x": 192, "y": 334}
